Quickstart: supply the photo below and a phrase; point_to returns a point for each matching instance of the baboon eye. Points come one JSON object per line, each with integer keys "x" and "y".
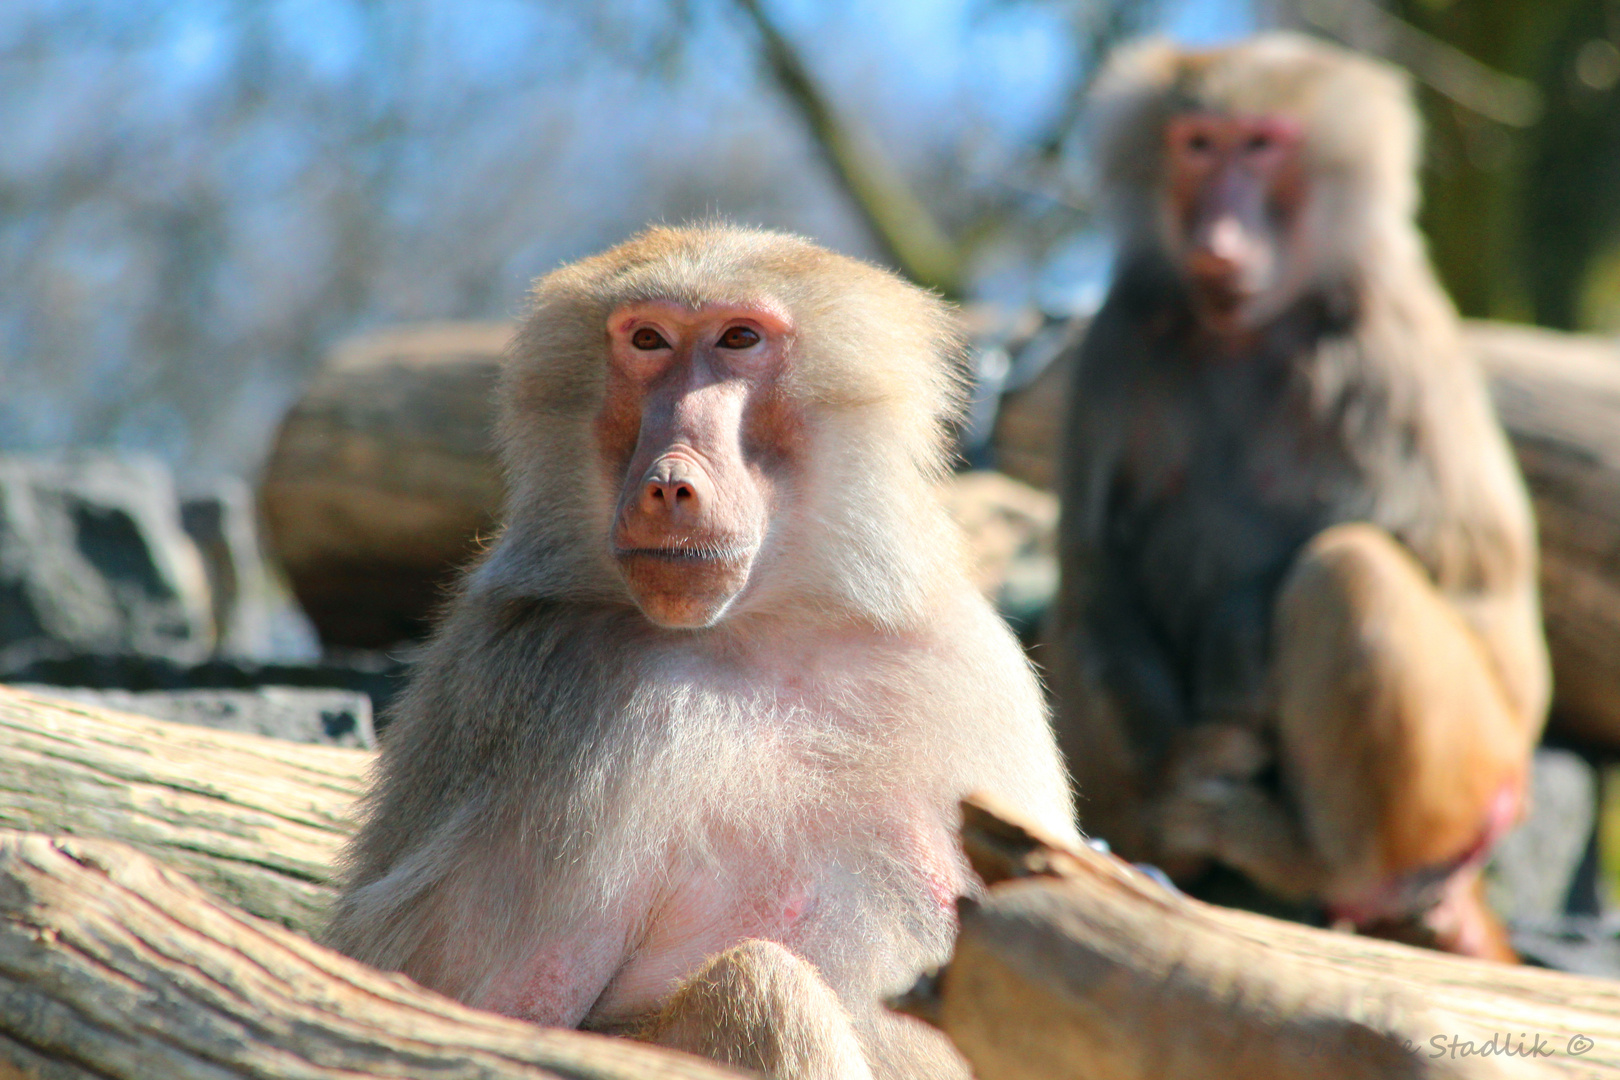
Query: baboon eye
{"x": 647, "y": 339}
{"x": 738, "y": 337}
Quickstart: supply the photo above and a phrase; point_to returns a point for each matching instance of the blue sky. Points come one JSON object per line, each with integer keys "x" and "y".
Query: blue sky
{"x": 183, "y": 243}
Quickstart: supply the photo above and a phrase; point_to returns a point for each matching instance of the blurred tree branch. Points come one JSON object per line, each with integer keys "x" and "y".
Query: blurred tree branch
{"x": 1444, "y": 68}
{"x": 899, "y": 221}
{"x": 902, "y": 224}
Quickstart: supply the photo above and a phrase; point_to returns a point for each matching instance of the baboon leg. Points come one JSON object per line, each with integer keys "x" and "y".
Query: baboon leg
{"x": 1396, "y": 739}
{"x": 758, "y": 1006}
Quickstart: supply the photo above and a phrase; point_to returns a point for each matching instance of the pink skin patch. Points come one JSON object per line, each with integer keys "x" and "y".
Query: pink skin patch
{"x": 555, "y": 988}
{"x": 1236, "y": 185}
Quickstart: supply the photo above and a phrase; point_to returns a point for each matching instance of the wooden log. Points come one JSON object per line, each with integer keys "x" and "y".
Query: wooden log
{"x": 382, "y": 478}
{"x": 1076, "y": 965}
{"x": 112, "y": 966}
{"x": 256, "y": 821}
{"x": 260, "y": 821}
{"x": 1559, "y": 397}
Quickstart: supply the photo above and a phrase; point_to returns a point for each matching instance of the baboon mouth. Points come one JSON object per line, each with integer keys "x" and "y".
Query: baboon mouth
{"x": 694, "y": 553}
{"x": 686, "y": 585}
{"x": 1223, "y": 294}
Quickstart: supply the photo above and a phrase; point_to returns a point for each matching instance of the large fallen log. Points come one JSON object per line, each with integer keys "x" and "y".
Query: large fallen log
{"x": 256, "y": 821}
{"x": 1075, "y": 965}
{"x": 259, "y": 821}
{"x": 381, "y": 482}
{"x": 112, "y": 966}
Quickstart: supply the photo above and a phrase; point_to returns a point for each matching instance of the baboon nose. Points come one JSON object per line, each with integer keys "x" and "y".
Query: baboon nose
{"x": 667, "y": 493}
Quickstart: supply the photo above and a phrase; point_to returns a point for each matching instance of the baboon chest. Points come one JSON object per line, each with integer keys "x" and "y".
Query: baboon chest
{"x": 1225, "y": 473}
{"x": 844, "y": 862}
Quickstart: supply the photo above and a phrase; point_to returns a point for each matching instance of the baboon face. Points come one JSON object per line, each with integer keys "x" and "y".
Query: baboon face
{"x": 1235, "y": 190}
{"x": 697, "y": 429}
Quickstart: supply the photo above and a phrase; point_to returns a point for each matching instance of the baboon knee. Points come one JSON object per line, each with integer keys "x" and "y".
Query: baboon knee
{"x": 758, "y": 1006}
{"x": 1345, "y": 569}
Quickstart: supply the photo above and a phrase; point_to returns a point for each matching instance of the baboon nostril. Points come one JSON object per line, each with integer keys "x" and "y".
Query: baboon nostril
{"x": 683, "y": 491}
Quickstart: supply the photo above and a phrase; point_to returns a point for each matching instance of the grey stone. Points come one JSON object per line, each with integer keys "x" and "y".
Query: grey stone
{"x": 1581, "y": 945}
{"x": 1532, "y": 871}
{"x": 380, "y": 676}
{"x": 332, "y": 717}
{"x": 93, "y": 558}
{"x": 255, "y": 616}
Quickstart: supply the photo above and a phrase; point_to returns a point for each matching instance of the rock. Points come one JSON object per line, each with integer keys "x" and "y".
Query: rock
{"x": 376, "y": 675}
{"x": 330, "y": 717}
{"x": 255, "y": 616}
{"x": 1579, "y": 944}
{"x": 93, "y": 558}
{"x": 1533, "y": 871}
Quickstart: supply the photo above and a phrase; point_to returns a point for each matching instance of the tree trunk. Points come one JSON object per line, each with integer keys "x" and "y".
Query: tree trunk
{"x": 382, "y": 479}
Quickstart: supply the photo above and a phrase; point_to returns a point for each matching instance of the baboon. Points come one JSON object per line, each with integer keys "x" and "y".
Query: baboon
{"x": 682, "y": 760}
{"x": 1298, "y": 632}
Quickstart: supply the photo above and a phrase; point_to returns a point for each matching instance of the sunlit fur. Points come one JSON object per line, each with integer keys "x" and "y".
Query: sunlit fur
{"x": 560, "y": 766}
{"x": 883, "y": 381}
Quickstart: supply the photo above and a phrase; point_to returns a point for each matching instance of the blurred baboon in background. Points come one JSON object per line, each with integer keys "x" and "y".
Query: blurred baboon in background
{"x": 1298, "y": 633}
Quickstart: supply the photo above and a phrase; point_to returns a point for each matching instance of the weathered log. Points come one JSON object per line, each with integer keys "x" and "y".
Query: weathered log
{"x": 114, "y": 966}
{"x": 1559, "y": 397}
{"x": 256, "y": 821}
{"x": 260, "y": 821}
{"x": 382, "y": 478}
{"x": 1075, "y": 965}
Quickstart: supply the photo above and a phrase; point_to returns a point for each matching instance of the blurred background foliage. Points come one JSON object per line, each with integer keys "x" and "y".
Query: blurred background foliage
{"x": 197, "y": 198}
